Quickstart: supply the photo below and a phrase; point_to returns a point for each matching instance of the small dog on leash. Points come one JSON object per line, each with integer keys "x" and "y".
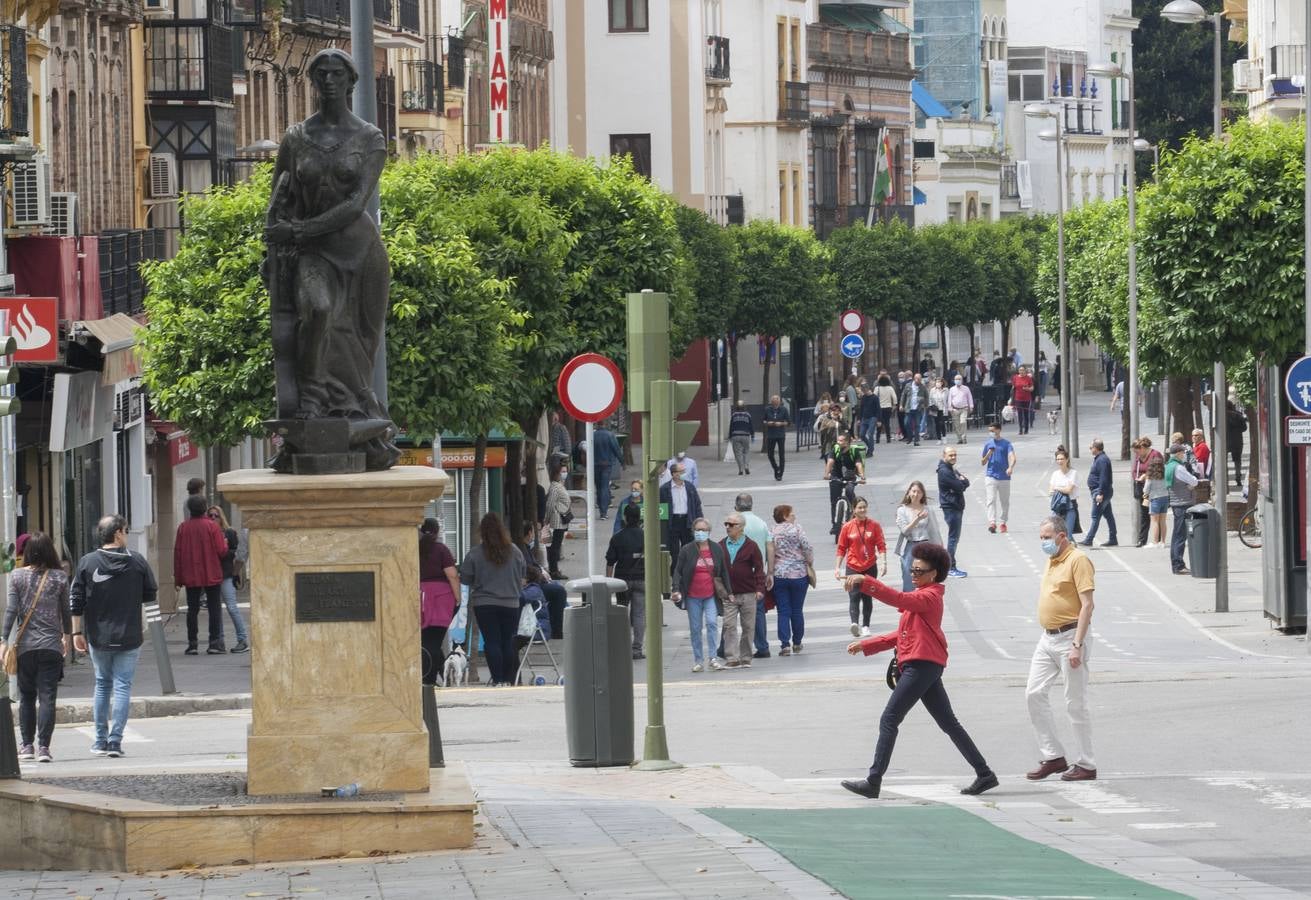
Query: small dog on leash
{"x": 456, "y": 670}
{"x": 1052, "y": 418}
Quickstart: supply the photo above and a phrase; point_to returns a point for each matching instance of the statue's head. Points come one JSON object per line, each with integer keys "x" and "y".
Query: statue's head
{"x": 332, "y": 72}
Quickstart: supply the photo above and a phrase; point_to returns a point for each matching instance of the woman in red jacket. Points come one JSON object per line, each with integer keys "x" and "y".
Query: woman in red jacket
{"x": 921, "y": 656}
{"x": 861, "y": 545}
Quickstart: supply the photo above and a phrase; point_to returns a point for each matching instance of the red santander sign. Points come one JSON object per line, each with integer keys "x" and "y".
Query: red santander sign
{"x": 498, "y": 81}
{"x": 34, "y": 323}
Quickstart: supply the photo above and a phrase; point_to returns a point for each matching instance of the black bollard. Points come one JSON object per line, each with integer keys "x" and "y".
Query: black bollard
{"x": 8, "y": 746}
{"x": 436, "y": 759}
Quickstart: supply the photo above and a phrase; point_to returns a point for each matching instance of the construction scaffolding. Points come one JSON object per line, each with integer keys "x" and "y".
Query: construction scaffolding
{"x": 947, "y": 40}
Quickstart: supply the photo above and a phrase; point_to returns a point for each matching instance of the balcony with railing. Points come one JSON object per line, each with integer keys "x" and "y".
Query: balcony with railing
{"x": 14, "y": 114}
{"x": 794, "y": 102}
{"x": 1010, "y": 183}
{"x": 841, "y": 48}
{"x": 1287, "y": 67}
{"x": 718, "y": 70}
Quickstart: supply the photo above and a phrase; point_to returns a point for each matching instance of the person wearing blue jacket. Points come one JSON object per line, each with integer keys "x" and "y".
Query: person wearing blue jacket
{"x": 951, "y": 498}
{"x": 607, "y": 460}
{"x": 1101, "y": 488}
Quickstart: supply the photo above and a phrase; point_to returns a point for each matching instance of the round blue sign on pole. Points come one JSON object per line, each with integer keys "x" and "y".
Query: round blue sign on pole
{"x": 1297, "y": 385}
{"x": 853, "y": 346}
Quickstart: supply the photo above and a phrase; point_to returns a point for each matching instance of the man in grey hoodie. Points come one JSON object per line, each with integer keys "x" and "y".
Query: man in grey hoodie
{"x": 108, "y": 590}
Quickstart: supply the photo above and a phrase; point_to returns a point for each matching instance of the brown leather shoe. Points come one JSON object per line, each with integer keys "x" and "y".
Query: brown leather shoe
{"x": 1047, "y": 767}
{"x": 1079, "y": 773}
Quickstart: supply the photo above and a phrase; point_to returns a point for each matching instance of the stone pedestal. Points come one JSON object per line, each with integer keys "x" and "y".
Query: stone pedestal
{"x": 335, "y": 668}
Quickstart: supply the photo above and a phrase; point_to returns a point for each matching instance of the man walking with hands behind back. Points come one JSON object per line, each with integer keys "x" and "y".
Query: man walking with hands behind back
{"x": 951, "y": 497}
{"x": 776, "y": 432}
{"x": 106, "y": 596}
{"x": 1065, "y": 607}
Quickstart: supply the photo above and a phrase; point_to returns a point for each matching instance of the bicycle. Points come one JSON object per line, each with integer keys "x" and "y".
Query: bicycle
{"x": 846, "y": 502}
{"x": 1249, "y": 528}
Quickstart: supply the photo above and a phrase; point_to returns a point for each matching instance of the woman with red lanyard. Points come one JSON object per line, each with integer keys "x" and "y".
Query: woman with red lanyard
{"x": 860, "y": 547}
{"x": 917, "y": 666}
{"x": 439, "y": 588}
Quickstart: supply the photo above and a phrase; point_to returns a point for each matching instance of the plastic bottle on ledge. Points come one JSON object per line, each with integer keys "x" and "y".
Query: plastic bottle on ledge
{"x": 347, "y": 790}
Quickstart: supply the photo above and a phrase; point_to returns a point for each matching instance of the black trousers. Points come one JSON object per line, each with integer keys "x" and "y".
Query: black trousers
{"x": 1144, "y": 517}
{"x": 213, "y": 608}
{"x": 885, "y": 426}
{"x": 921, "y": 682}
{"x": 680, "y": 533}
{"x": 553, "y": 552}
{"x": 499, "y": 626}
{"x": 433, "y": 659}
{"x": 38, "y": 682}
{"x": 772, "y": 443}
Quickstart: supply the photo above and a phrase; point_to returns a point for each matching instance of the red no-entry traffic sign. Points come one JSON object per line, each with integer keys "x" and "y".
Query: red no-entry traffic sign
{"x": 590, "y": 387}
{"x": 853, "y": 321}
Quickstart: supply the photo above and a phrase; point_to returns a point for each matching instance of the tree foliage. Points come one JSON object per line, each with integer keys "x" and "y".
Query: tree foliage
{"x": 786, "y": 287}
{"x": 1222, "y": 241}
{"x": 503, "y": 266}
{"x": 713, "y": 276}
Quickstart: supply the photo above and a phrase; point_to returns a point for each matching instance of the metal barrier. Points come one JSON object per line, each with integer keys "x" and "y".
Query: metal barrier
{"x": 804, "y": 423}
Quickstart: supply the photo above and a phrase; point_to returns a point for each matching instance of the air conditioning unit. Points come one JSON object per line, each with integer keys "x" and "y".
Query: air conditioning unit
{"x": 30, "y": 192}
{"x": 158, "y": 9}
{"x": 63, "y": 214}
{"x": 1242, "y": 75}
{"x": 1255, "y": 75}
{"x": 163, "y": 176}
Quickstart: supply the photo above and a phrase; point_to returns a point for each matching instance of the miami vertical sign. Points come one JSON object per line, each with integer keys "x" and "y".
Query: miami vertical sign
{"x": 498, "y": 78}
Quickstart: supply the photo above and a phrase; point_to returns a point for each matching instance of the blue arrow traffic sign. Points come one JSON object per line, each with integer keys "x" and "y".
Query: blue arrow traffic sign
{"x": 853, "y": 346}
{"x": 1297, "y": 385}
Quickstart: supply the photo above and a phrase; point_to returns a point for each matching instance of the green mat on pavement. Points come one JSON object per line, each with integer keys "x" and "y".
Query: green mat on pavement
{"x": 925, "y": 852}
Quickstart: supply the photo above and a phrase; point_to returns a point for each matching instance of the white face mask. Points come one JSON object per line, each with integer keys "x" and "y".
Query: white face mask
{"x": 682, "y": 454}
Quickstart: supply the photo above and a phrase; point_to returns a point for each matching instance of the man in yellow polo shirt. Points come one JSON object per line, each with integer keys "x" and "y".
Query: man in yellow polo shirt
{"x": 1065, "y": 608}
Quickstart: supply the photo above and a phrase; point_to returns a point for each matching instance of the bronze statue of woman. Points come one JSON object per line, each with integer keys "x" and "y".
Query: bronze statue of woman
{"x": 328, "y": 278}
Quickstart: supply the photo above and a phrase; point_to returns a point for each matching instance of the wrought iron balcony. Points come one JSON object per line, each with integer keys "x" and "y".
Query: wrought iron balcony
{"x": 794, "y": 102}
{"x": 717, "y": 60}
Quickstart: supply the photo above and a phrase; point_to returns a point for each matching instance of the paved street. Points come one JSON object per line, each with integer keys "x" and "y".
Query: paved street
{"x": 1203, "y": 785}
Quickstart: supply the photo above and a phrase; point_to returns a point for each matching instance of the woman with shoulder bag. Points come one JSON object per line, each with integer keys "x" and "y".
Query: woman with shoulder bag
{"x": 1064, "y": 490}
{"x": 920, "y": 657}
{"x": 228, "y": 586}
{"x": 701, "y": 583}
{"x": 794, "y": 569}
{"x": 38, "y": 611}
{"x": 915, "y": 524}
{"x": 558, "y": 516}
{"x": 439, "y": 592}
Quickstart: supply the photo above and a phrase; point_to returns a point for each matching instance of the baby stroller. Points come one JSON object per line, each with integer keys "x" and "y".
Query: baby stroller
{"x": 534, "y": 635}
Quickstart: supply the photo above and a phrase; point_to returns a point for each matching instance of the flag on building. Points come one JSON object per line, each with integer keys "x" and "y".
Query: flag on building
{"x": 883, "y": 170}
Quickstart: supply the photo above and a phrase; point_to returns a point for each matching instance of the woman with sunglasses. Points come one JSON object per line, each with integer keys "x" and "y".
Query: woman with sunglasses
{"x": 921, "y": 657}
{"x": 228, "y": 587}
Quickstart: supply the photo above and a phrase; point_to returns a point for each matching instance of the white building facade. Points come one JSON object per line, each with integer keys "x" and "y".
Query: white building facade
{"x": 630, "y": 78}
{"x": 1271, "y": 76}
{"x": 767, "y": 109}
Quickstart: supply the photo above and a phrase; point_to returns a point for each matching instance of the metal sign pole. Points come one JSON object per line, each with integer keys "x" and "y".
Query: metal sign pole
{"x": 591, "y": 499}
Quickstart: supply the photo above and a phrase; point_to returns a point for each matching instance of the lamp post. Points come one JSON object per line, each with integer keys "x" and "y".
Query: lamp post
{"x": 1142, "y": 145}
{"x": 1042, "y": 111}
{"x": 1188, "y": 12}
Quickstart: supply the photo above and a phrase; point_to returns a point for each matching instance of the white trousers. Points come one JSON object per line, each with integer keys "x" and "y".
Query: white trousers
{"x": 997, "y": 497}
{"x": 1051, "y": 660}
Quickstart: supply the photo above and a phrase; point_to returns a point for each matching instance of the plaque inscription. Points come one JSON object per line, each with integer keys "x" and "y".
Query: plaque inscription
{"x": 335, "y": 597}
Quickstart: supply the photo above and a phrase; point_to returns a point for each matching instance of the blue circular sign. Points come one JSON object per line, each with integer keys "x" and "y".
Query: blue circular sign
{"x": 1297, "y": 385}
{"x": 853, "y": 346}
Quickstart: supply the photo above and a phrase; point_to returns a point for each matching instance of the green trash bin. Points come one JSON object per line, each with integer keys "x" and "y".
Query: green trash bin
{"x": 598, "y": 675}
{"x": 1204, "y": 535}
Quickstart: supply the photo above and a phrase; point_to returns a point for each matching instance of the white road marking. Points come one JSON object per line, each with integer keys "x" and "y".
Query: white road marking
{"x": 1189, "y": 617}
{"x": 1105, "y": 802}
{"x": 1266, "y": 793}
{"x": 1170, "y": 826}
{"x": 130, "y": 734}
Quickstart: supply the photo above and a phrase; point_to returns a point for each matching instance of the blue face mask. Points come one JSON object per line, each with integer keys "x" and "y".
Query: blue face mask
{"x": 1050, "y": 547}
{"x": 636, "y": 495}
{"x": 701, "y": 535}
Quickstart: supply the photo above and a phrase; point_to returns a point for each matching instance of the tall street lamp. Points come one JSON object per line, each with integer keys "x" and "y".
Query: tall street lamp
{"x": 1188, "y": 12}
{"x": 1142, "y": 145}
{"x": 1042, "y": 111}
